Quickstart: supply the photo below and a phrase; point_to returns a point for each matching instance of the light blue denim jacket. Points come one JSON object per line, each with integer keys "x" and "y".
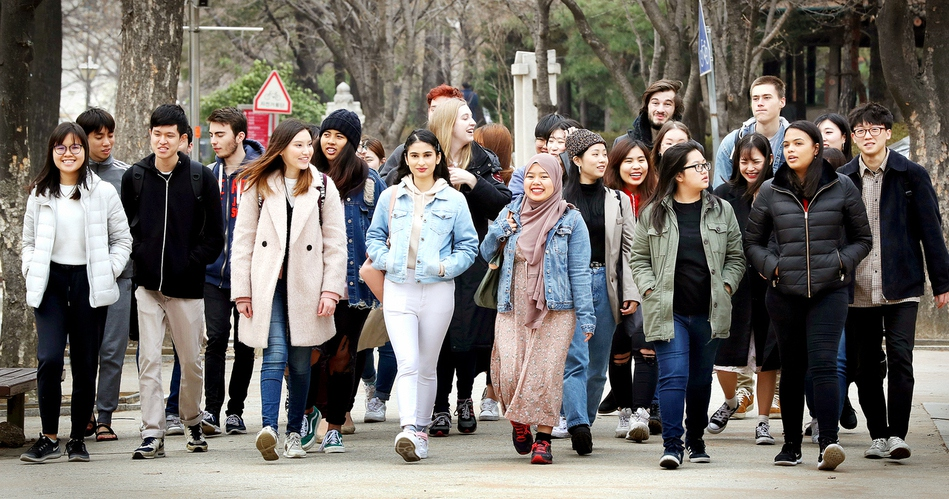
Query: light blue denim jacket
{"x": 448, "y": 239}
{"x": 566, "y": 263}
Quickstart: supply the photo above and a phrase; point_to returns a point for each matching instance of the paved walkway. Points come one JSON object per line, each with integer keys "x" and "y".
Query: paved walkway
{"x": 485, "y": 465}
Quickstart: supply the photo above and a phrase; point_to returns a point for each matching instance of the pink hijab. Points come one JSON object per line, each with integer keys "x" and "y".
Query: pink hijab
{"x": 537, "y": 219}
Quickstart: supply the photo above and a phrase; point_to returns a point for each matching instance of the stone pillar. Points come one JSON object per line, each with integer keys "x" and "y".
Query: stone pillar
{"x": 344, "y": 100}
{"x": 524, "y": 71}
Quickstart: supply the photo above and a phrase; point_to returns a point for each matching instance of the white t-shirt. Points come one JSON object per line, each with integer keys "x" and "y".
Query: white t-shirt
{"x": 69, "y": 242}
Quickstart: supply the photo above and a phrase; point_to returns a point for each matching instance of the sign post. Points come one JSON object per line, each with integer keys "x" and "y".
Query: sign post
{"x": 706, "y": 68}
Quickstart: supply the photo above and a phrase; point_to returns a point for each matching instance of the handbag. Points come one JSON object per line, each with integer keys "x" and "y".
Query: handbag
{"x": 486, "y": 296}
{"x": 374, "y": 278}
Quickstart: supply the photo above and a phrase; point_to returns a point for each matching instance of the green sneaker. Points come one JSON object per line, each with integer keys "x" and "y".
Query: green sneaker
{"x": 310, "y": 422}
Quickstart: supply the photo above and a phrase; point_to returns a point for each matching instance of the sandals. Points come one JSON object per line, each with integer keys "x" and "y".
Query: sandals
{"x": 104, "y": 433}
{"x": 91, "y": 426}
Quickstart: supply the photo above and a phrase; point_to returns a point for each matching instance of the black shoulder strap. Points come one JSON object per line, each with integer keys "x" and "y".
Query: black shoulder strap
{"x": 619, "y": 200}
{"x": 138, "y": 178}
{"x": 322, "y": 198}
{"x": 196, "y": 172}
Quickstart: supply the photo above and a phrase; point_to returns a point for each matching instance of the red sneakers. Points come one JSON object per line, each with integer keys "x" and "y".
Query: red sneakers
{"x": 540, "y": 453}
{"x": 521, "y": 435}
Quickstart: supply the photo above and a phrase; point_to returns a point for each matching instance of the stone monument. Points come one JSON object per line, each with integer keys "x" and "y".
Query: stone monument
{"x": 524, "y": 71}
{"x": 344, "y": 100}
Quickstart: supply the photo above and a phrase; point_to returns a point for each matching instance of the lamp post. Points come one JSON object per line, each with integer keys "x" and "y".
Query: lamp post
{"x": 88, "y": 70}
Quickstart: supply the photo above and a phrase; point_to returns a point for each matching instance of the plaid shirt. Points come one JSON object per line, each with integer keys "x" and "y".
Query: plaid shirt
{"x": 868, "y": 290}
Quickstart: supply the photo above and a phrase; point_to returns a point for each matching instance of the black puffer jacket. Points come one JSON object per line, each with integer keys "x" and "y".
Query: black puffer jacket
{"x": 817, "y": 248}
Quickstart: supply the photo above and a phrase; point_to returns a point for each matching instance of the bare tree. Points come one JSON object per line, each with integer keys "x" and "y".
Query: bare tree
{"x": 917, "y": 79}
{"x": 535, "y": 14}
{"x": 46, "y": 80}
{"x": 17, "y": 341}
{"x": 152, "y": 38}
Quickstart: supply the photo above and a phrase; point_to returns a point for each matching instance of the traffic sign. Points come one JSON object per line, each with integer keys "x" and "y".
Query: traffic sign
{"x": 705, "y": 47}
{"x": 273, "y": 97}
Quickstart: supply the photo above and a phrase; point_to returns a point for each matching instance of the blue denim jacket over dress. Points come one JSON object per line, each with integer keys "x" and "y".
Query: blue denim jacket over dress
{"x": 566, "y": 263}
{"x": 448, "y": 238}
{"x": 358, "y": 208}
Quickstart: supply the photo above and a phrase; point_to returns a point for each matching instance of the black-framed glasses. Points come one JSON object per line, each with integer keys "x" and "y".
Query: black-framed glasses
{"x": 874, "y": 131}
{"x": 700, "y": 167}
{"x": 61, "y": 149}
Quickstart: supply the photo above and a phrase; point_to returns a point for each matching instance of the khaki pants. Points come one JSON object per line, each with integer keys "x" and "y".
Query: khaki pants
{"x": 184, "y": 318}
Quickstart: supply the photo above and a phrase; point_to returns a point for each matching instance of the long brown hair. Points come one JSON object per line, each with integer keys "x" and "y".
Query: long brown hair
{"x": 271, "y": 162}
{"x": 657, "y": 145}
{"x": 497, "y": 138}
{"x": 614, "y": 178}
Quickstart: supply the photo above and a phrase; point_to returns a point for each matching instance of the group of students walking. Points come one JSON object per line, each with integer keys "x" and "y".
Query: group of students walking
{"x": 623, "y": 263}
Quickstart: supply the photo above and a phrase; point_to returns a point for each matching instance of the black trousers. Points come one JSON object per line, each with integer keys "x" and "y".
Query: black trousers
{"x": 636, "y": 387}
{"x": 450, "y": 364}
{"x": 333, "y": 376}
{"x": 218, "y": 313}
{"x": 65, "y": 317}
{"x": 808, "y": 332}
{"x": 867, "y": 328}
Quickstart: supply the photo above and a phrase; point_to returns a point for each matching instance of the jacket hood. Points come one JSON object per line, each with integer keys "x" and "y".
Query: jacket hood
{"x": 252, "y": 151}
{"x": 483, "y": 160}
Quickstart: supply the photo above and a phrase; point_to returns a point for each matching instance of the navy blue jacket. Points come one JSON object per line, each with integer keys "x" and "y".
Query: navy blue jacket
{"x": 359, "y": 206}
{"x": 219, "y": 272}
{"x": 910, "y": 227}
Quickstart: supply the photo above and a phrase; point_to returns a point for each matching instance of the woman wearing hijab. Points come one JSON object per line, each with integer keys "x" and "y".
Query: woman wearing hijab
{"x": 540, "y": 302}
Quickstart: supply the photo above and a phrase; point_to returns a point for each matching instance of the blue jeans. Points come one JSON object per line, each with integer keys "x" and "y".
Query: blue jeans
{"x": 685, "y": 379}
{"x": 385, "y": 374}
{"x": 171, "y": 405}
{"x": 278, "y": 355}
{"x": 584, "y": 373}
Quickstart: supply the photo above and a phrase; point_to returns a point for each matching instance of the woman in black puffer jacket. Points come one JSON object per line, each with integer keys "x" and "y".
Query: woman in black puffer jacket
{"x": 821, "y": 231}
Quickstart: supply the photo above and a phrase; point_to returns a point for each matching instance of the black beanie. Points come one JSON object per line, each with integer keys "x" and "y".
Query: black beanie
{"x": 346, "y": 122}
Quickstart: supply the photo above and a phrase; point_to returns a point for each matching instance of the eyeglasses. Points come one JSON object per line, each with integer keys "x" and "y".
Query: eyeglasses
{"x": 862, "y": 132}
{"x": 61, "y": 149}
{"x": 700, "y": 167}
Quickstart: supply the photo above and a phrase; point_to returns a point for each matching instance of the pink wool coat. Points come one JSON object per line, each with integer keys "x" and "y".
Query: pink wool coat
{"x": 316, "y": 260}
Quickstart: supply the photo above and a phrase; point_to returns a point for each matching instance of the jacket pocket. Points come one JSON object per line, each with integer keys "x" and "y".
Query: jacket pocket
{"x": 442, "y": 221}
{"x": 561, "y": 239}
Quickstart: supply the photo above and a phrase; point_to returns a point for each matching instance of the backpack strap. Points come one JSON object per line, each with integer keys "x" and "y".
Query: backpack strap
{"x": 196, "y": 173}
{"x": 322, "y": 189}
{"x": 138, "y": 178}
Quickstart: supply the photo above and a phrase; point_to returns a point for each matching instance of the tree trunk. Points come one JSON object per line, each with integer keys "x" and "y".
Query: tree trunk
{"x": 850, "y": 72}
{"x": 918, "y": 86}
{"x": 152, "y": 38}
{"x": 541, "y": 38}
{"x": 46, "y": 82}
{"x": 17, "y": 337}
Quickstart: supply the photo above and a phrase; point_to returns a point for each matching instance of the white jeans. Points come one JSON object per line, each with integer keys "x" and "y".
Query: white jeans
{"x": 417, "y": 318}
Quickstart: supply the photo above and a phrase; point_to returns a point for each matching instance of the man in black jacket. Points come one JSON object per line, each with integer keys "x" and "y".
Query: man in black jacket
{"x": 661, "y": 103}
{"x": 906, "y": 224}
{"x": 174, "y": 211}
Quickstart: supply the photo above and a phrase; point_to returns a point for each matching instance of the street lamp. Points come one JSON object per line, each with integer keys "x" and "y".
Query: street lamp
{"x": 88, "y": 72}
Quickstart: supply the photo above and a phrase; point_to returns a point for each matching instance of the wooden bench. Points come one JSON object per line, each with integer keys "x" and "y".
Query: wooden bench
{"x": 14, "y": 383}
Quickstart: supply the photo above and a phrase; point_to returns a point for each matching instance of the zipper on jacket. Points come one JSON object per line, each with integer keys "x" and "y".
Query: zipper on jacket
{"x": 164, "y": 232}
{"x": 807, "y": 232}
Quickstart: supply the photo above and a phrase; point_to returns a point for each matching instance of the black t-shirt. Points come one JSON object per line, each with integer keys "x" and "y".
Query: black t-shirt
{"x": 693, "y": 282}
{"x": 591, "y": 203}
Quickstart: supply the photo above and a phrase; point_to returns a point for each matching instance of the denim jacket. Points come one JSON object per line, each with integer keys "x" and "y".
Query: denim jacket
{"x": 448, "y": 239}
{"x": 358, "y": 208}
{"x": 566, "y": 263}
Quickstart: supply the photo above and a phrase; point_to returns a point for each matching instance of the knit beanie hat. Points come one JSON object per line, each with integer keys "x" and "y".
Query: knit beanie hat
{"x": 580, "y": 140}
{"x": 347, "y": 122}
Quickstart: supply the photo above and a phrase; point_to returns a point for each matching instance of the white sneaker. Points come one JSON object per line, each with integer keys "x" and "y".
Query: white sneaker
{"x": 370, "y": 389}
{"x": 639, "y": 426}
{"x": 332, "y": 443}
{"x": 407, "y": 444}
{"x": 267, "y": 443}
{"x": 292, "y": 447}
{"x": 490, "y": 411}
{"x": 622, "y": 427}
{"x": 421, "y": 446}
{"x": 560, "y": 431}
{"x": 375, "y": 411}
{"x": 763, "y": 434}
{"x": 898, "y": 448}
{"x": 878, "y": 449}
{"x": 830, "y": 457}
{"x": 173, "y": 425}
{"x": 812, "y": 428}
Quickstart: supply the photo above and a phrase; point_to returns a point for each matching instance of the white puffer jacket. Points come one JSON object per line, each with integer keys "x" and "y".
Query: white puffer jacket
{"x": 108, "y": 242}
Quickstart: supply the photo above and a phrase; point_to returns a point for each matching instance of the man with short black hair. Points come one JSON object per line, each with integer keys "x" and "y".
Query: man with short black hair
{"x": 661, "y": 103}
{"x": 99, "y": 126}
{"x": 174, "y": 212}
{"x": 906, "y": 224}
{"x": 767, "y": 101}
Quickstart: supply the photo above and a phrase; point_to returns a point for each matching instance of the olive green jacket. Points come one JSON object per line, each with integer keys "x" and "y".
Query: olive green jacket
{"x": 653, "y": 265}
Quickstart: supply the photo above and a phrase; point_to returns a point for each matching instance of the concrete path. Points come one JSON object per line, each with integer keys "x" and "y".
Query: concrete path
{"x": 485, "y": 465}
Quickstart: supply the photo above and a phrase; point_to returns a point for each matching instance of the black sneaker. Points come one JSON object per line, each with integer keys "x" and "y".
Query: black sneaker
{"x": 151, "y": 448}
{"x": 441, "y": 424}
{"x": 43, "y": 449}
{"x": 655, "y": 420}
{"x": 697, "y": 452}
{"x": 582, "y": 439}
{"x": 76, "y": 450}
{"x": 210, "y": 424}
{"x": 717, "y": 422}
{"x": 671, "y": 459}
{"x": 608, "y": 405}
{"x": 234, "y": 425}
{"x": 848, "y": 417}
{"x": 196, "y": 442}
{"x": 831, "y": 455}
{"x": 466, "y": 418}
{"x": 790, "y": 455}
{"x": 521, "y": 435}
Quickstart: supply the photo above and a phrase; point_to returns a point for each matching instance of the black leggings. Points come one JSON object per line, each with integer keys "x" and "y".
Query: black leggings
{"x": 450, "y": 364}
{"x": 333, "y": 376}
{"x": 631, "y": 391}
